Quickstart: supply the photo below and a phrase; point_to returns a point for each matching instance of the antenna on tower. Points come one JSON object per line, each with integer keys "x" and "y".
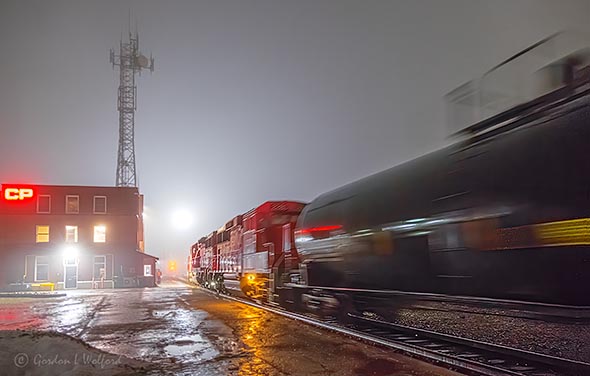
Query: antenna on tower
{"x": 130, "y": 61}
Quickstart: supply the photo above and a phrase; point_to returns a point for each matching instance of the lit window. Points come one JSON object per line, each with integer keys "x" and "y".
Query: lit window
{"x": 41, "y": 268}
{"x": 44, "y": 204}
{"x": 71, "y": 234}
{"x": 72, "y": 204}
{"x": 100, "y": 204}
{"x": 42, "y": 234}
{"x": 147, "y": 270}
{"x": 100, "y": 234}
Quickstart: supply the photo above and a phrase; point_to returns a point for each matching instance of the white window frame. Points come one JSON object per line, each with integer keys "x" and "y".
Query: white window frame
{"x": 77, "y": 198}
{"x": 147, "y": 271}
{"x": 39, "y": 200}
{"x": 103, "y": 263}
{"x": 94, "y": 234}
{"x": 71, "y": 261}
{"x": 37, "y": 233}
{"x": 94, "y": 205}
{"x": 36, "y": 263}
{"x": 75, "y": 228}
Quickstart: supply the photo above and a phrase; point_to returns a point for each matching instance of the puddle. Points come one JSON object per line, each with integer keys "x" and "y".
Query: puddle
{"x": 163, "y": 313}
{"x": 194, "y": 346}
{"x": 138, "y": 345}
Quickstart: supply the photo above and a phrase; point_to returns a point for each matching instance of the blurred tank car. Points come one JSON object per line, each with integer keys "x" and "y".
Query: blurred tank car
{"x": 504, "y": 212}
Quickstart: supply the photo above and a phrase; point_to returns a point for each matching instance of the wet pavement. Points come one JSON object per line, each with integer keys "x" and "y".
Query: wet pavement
{"x": 181, "y": 330}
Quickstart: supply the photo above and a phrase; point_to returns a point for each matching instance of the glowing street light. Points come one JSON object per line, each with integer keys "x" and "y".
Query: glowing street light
{"x": 70, "y": 255}
{"x": 182, "y": 219}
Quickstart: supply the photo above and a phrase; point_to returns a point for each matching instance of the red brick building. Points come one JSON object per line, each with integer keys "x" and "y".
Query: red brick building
{"x": 73, "y": 236}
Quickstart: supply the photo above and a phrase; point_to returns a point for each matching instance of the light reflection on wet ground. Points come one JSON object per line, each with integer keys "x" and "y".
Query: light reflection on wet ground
{"x": 252, "y": 317}
{"x": 266, "y": 344}
{"x": 194, "y": 347}
{"x": 63, "y": 314}
{"x": 186, "y": 331}
{"x": 153, "y": 325}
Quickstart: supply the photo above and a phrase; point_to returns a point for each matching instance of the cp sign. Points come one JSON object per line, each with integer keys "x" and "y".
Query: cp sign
{"x": 14, "y": 194}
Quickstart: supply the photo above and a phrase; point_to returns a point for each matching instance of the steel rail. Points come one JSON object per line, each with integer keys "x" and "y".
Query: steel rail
{"x": 534, "y": 309}
{"x": 574, "y": 366}
{"x": 543, "y": 364}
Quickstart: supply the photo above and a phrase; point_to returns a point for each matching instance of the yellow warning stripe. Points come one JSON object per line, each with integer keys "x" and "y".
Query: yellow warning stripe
{"x": 569, "y": 232}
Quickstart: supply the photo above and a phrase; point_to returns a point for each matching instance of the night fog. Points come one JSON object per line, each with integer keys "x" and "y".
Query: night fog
{"x": 250, "y": 100}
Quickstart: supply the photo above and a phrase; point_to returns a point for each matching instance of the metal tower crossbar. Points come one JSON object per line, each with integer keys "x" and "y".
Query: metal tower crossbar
{"x": 130, "y": 61}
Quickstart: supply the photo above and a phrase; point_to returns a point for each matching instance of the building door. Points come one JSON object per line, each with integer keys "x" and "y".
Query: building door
{"x": 70, "y": 273}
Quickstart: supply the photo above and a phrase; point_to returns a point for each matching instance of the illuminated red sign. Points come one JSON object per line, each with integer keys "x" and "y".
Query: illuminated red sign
{"x": 17, "y": 193}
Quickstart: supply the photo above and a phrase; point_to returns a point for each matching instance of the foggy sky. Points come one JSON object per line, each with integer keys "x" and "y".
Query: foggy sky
{"x": 250, "y": 100}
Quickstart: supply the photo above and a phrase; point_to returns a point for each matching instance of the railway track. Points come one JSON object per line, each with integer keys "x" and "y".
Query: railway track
{"x": 468, "y": 354}
{"x": 462, "y": 354}
{"x": 471, "y": 304}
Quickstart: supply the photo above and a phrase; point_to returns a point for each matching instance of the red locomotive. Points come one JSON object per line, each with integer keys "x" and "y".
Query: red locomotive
{"x": 249, "y": 253}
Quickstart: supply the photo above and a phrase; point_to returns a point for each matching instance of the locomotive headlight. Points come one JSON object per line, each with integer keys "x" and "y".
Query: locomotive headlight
{"x": 250, "y": 278}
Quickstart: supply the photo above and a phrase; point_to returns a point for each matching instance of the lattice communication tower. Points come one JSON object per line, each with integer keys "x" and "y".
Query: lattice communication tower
{"x": 130, "y": 61}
